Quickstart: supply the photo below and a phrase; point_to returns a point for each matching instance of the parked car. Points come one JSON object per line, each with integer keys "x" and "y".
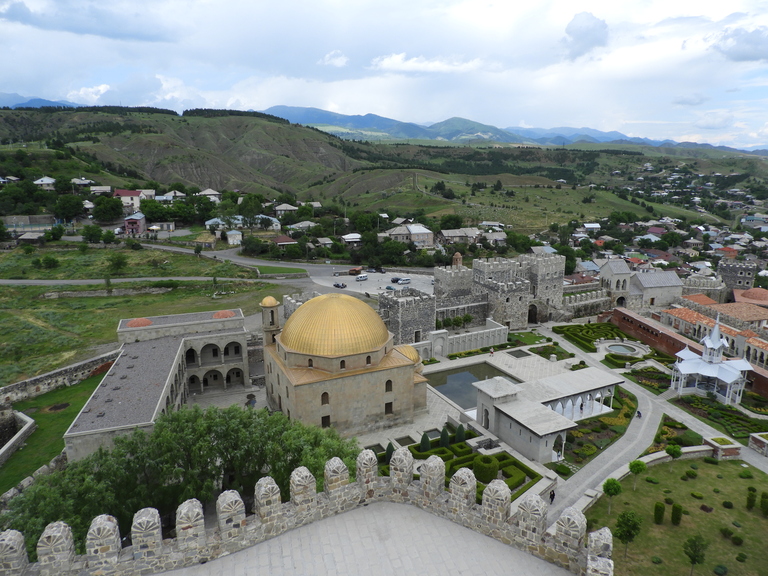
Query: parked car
{"x": 339, "y": 285}
{"x": 394, "y": 280}
{"x": 390, "y": 288}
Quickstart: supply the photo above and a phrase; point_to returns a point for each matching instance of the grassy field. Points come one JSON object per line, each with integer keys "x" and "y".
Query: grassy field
{"x": 717, "y": 483}
{"x": 74, "y": 265}
{"x": 53, "y": 412}
{"x": 39, "y": 334}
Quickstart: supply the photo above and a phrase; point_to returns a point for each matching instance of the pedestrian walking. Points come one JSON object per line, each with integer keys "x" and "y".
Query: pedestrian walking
{"x": 551, "y": 496}
{"x": 491, "y": 351}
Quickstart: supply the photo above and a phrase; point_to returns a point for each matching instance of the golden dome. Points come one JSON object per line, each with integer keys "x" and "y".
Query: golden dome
{"x": 268, "y": 302}
{"x": 409, "y": 352}
{"x": 334, "y": 325}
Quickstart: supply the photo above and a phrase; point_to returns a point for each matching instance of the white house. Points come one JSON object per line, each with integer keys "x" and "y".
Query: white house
{"x": 46, "y": 183}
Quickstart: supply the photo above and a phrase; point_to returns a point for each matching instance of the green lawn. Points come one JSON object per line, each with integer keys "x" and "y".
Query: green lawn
{"x": 39, "y": 334}
{"x": 74, "y": 265}
{"x": 527, "y": 338}
{"x": 47, "y": 441}
{"x": 717, "y": 483}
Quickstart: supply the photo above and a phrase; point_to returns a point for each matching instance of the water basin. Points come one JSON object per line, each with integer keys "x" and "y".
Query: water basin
{"x": 456, "y": 384}
{"x": 624, "y": 349}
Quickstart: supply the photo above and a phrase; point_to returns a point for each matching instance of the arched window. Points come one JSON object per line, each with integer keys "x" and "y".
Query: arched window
{"x": 343, "y": 364}
{"x": 325, "y": 399}
{"x": 310, "y": 364}
{"x": 367, "y": 360}
{"x": 388, "y": 386}
{"x": 271, "y": 317}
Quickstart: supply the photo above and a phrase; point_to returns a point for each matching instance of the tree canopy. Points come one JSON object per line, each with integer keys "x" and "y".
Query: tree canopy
{"x": 190, "y": 453}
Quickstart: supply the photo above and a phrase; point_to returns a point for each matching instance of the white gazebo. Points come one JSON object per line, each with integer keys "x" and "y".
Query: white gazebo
{"x": 710, "y": 372}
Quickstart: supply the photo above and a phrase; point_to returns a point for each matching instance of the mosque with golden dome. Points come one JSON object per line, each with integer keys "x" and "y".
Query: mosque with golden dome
{"x": 334, "y": 363}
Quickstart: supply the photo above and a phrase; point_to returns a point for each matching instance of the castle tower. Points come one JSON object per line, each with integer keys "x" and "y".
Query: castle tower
{"x": 270, "y": 319}
{"x": 457, "y": 259}
{"x": 738, "y": 275}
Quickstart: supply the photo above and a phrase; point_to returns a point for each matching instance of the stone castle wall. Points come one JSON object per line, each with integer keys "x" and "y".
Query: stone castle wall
{"x": 406, "y": 313}
{"x": 564, "y": 544}
{"x": 68, "y": 376}
{"x": 739, "y": 275}
{"x": 715, "y": 288}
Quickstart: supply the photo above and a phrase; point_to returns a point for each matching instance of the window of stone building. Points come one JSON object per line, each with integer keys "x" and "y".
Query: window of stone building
{"x": 310, "y": 364}
{"x": 226, "y": 350}
{"x": 343, "y": 364}
{"x": 325, "y": 421}
{"x": 287, "y": 394}
{"x": 388, "y": 386}
{"x": 507, "y": 298}
{"x": 367, "y": 360}
{"x": 215, "y": 352}
{"x": 417, "y": 336}
{"x": 388, "y": 408}
{"x": 237, "y": 349}
{"x": 325, "y": 399}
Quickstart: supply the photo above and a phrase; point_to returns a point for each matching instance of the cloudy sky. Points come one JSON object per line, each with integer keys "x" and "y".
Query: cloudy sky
{"x": 680, "y": 69}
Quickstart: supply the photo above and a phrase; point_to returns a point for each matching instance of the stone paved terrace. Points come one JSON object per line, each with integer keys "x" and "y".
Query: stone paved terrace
{"x": 381, "y": 539}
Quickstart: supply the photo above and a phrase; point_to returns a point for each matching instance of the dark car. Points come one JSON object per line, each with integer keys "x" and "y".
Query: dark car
{"x": 394, "y": 280}
{"x": 339, "y": 285}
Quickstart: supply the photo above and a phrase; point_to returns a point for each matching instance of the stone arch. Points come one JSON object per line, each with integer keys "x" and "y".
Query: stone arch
{"x": 533, "y": 314}
{"x": 191, "y": 357}
{"x": 624, "y": 284}
{"x": 213, "y": 379}
{"x": 343, "y": 365}
{"x": 310, "y": 363}
{"x": 486, "y": 418}
{"x": 618, "y": 284}
{"x": 235, "y": 376}
{"x": 210, "y": 354}
{"x": 233, "y": 351}
{"x": 558, "y": 446}
{"x": 621, "y": 301}
{"x": 325, "y": 399}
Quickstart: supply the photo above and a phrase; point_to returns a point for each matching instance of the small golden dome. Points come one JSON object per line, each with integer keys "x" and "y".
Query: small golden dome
{"x": 334, "y": 325}
{"x": 409, "y": 352}
{"x": 269, "y": 302}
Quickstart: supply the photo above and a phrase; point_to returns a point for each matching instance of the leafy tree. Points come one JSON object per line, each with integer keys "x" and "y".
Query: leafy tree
{"x": 68, "y": 207}
{"x": 674, "y": 451}
{"x": 198, "y": 250}
{"x": 250, "y": 209}
{"x": 611, "y": 488}
{"x": 49, "y": 262}
{"x": 695, "y": 548}
{"x": 154, "y": 211}
{"x": 108, "y": 237}
{"x": 637, "y": 467}
{"x": 4, "y": 235}
{"x": 91, "y": 233}
{"x": 451, "y": 222}
{"x": 627, "y": 527}
{"x": 107, "y": 209}
{"x": 117, "y": 261}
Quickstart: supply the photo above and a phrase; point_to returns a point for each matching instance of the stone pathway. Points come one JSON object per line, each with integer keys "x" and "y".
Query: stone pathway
{"x": 634, "y": 442}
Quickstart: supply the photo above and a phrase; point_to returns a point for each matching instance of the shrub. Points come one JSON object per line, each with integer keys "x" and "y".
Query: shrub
{"x": 460, "y": 433}
{"x": 691, "y": 473}
{"x": 425, "y": 443}
{"x": 651, "y": 480}
{"x": 689, "y": 438}
{"x": 656, "y": 560}
{"x": 746, "y": 474}
{"x": 694, "y": 466}
{"x": 445, "y": 438}
{"x": 389, "y": 452}
{"x": 737, "y": 524}
{"x": 720, "y": 570}
{"x": 674, "y": 451}
{"x": 727, "y": 504}
{"x": 737, "y": 540}
{"x": 684, "y": 478}
{"x": 711, "y": 460}
{"x": 716, "y": 490}
{"x": 751, "y": 500}
{"x": 563, "y": 470}
{"x": 486, "y": 468}
{"x": 741, "y": 557}
{"x": 677, "y": 514}
{"x": 752, "y": 489}
{"x": 658, "y": 512}
{"x": 726, "y": 532}
{"x": 697, "y": 495}
{"x": 669, "y": 500}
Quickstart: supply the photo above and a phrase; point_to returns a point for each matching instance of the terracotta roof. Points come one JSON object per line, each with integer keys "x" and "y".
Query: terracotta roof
{"x": 742, "y": 311}
{"x": 757, "y": 295}
{"x": 758, "y": 343}
{"x": 224, "y": 314}
{"x": 702, "y": 299}
{"x": 139, "y": 323}
{"x": 693, "y": 317}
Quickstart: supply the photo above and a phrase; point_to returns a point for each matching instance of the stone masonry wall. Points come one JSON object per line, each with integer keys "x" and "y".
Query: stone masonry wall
{"x": 408, "y": 312}
{"x": 68, "y": 376}
{"x": 564, "y": 544}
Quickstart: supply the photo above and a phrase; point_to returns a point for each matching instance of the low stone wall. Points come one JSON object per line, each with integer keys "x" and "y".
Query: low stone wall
{"x": 493, "y": 335}
{"x": 279, "y": 276}
{"x": 587, "y": 287}
{"x": 564, "y": 544}
{"x": 26, "y": 426}
{"x": 57, "y": 463}
{"x": 103, "y": 293}
{"x": 758, "y": 444}
{"x": 67, "y": 376}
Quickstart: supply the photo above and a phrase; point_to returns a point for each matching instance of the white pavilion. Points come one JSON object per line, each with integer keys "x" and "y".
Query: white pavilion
{"x": 710, "y": 372}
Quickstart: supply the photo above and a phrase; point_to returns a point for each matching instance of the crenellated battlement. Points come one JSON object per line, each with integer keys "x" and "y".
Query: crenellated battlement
{"x": 564, "y": 544}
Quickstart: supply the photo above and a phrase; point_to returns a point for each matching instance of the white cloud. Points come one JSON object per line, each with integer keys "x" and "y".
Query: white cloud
{"x": 399, "y": 63}
{"x": 690, "y": 100}
{"x": 334, "y": 58}
{"x": 715, "y": 120}
{"x": 584, "y": 33}
{"x": 88, "y": 95}
{"x": 741, "y": 45}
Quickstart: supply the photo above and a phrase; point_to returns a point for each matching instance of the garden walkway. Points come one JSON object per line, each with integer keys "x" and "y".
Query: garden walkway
{"x": 634, "y": 442}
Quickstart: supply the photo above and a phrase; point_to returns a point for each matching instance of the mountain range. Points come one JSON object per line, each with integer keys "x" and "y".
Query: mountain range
{"x": 458, "y": 130}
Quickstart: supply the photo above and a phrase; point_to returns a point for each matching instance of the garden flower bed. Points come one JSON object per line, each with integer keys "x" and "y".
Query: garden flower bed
{"x": 733, "y": 422}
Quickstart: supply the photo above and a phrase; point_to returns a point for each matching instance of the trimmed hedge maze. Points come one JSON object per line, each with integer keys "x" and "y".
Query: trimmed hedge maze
{"x": 585, "y": 335}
